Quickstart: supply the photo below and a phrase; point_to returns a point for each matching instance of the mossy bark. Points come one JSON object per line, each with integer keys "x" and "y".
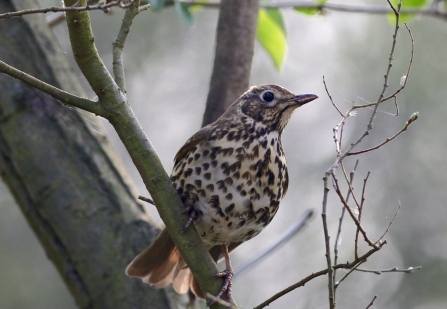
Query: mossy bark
{"x": 67, "y": 179}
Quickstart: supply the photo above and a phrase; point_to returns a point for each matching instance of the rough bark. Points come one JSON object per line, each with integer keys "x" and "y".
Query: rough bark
{"x": 66, "y": 179}
{"x": 235, "y": 39}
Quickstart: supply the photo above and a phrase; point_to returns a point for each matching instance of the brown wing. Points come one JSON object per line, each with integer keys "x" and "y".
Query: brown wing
{"x": 192, "y": 142}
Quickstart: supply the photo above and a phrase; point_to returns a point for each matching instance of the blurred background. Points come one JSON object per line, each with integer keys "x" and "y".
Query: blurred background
{"x": 168, "y": 67}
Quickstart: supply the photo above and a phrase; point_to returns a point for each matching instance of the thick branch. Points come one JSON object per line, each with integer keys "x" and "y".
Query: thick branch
{"x": 118, "y": 111}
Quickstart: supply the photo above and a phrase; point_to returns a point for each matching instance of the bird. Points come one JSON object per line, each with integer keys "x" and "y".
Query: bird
{"x": 231, "y": 176}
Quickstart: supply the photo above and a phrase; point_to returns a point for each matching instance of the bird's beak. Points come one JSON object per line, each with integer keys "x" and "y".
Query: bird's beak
{"x": 303, "y": 99}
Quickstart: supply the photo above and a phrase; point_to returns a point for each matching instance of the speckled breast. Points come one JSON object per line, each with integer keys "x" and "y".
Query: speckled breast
{"x": 235, "y": 181}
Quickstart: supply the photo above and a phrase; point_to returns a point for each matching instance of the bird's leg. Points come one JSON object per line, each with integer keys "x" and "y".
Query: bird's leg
{"x": 227, "y": 274}
{"x": 193, "y": 215}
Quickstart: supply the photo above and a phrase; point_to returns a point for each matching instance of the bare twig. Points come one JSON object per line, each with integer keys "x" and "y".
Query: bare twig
{"x": 146, "y": 199}
{"x": 119, "y": 43}
{"x": 330, "y": 97}
{"x": 219, "y": 300}
{"x": 391, "y": 222}
{"x": 327, "y": 245}
{"x": 354, "y": 218}
{"x": 372, "y": 302}
{"x": 337, "y": 284}
{"x": 405, "y": 78}
{"x": 412, "y": 119}
{"x": 302, "y": 282}
{"x": 356, "y": 242}
{"x": 340, "y": 221}
{"x": 101, "y": 7}
{"x": 408, "y": 270}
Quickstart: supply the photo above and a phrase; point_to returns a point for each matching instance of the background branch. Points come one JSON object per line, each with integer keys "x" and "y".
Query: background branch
{"x": 235, "y": 39}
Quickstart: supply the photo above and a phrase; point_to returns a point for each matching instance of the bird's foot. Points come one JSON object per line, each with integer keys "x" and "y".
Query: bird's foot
{"x": 193, "y": 216}
{"x": 227, "y": 274}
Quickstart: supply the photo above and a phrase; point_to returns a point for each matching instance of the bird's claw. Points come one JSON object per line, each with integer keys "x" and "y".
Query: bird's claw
{"x": 227, "y": 274}
{"x": 193, "y": 216}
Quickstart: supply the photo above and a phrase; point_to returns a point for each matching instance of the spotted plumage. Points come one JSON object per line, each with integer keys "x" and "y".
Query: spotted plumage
{"x": 231, "y": 176}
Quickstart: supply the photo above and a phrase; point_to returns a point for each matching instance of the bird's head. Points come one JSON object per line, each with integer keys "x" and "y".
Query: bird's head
{"x": 270, "y": 106}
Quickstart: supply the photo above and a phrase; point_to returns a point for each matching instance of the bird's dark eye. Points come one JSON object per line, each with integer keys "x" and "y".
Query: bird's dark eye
{"x": 268, "y": 96}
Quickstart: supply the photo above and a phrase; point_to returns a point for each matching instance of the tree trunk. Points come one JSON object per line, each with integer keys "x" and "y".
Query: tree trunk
{"x": 68, "y": 180}
{"x": 235, "y": 41}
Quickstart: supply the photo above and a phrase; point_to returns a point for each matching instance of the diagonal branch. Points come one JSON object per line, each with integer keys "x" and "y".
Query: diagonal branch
{"x": 59, "y": 94}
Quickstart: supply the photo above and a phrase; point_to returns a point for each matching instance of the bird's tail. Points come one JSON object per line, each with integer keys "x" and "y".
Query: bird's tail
{"x": 161, "y": 264}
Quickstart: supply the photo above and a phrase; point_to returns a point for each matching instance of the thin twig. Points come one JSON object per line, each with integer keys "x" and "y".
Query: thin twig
{"x": 372, "y": 302}
{"x": 408, "y": 270}
{"x": 356, "y": 221}
{"x": 356, "y": 242}
{"x": 102, "y": 7}
{"x": 337, "y": 284}
{"x": 408, "y": 70}
{"x": 302, "y": 282}
{"x": 330, "y": 98}
{"x": 328, "y": 246}
{"x": 219, "y": 300}
{"x": 412, "y": 119}
{"x": 340, "y": 220}
{"x": 119, "y": 43}
{"x": 391, "y": 223}
{"x": 146, "y": 199}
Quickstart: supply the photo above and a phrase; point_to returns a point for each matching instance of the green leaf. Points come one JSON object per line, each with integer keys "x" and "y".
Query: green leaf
{"x": 308, "y": 11}
{"x": 197, "y": 7}
{"x": 320, "y": 1}
{"x": 408, "y": 4}
{"x": 157, "y": 5}
{"x": 183, "y": 13}
{"x": 272, "y": 35}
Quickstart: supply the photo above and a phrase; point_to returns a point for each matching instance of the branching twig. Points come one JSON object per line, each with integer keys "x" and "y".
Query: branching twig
{"x": 353, "y": 217}
{"x": 412, "y": 119}
{"x": 340, "y": 222}
{"x": 302, "y": 282}
{"x": 102, "y": 7}
{"x": 408, "y": 270}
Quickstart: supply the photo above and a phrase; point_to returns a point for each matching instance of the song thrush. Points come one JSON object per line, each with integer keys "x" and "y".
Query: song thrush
{"x": 231, "y": 176}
